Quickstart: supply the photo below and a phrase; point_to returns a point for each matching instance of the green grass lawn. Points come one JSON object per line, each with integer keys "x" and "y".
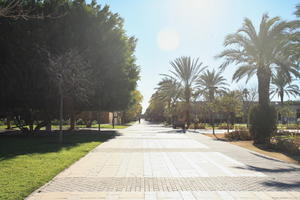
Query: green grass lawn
{"x": 28, "y": 162}
{"x": 65, "y": 127}
{"x": 105, "y": 126}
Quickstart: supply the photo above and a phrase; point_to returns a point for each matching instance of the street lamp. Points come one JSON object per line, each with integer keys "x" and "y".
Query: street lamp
{"x": 61, "y": 104}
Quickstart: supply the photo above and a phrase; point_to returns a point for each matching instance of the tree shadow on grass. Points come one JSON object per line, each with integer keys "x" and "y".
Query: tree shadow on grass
{"x": 13, "y": 144}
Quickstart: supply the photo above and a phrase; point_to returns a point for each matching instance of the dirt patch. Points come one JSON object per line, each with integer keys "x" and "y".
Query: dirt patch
{"x": 263, "y": 150}
{"x": 219, "y": 135}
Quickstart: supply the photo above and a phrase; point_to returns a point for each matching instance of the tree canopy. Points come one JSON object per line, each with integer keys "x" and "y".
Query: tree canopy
{"x": 84, "y": 43}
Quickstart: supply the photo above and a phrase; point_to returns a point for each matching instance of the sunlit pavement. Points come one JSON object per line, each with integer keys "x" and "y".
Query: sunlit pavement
{"x": 150, "y": 161}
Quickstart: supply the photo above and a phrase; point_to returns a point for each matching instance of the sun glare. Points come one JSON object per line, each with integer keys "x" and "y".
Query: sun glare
{"x": 168, "y": 39}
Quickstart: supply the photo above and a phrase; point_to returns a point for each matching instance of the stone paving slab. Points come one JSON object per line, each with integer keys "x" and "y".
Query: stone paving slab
{"x": 153, "y": 144}
{"x": 128, "y": 150}
{"x": 216, "y": 195}
{"x": 158, "y": 164}
{"x": 113, "y": 184}
{"x": 150, "y": 161}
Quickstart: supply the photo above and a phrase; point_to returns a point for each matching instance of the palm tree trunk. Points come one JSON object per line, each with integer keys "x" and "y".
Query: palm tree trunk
{"x": 264, "y": 77}
{"x": 281, "y": 97}
{"x": 187, "y": 109}
{"x": 187, "y": 114}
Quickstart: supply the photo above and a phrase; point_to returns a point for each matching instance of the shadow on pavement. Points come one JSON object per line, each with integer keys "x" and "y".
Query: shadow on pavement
{"x": 282, "y": 185}
{"x": 265, "y": 157}
{"x": 270, "y": 170}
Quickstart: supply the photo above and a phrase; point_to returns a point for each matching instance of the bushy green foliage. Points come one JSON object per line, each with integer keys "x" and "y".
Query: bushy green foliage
{"x": 83, "y": 44}
{"x": 286, "y": 143}
{"x": 134, "y": 109}
{"x": 2, "y": 123}
{"x": 292, "y": 126}
{"x": 198, "y": 126}
{"x": 238, "y": 135}
{"x": 262, "y": 121}
{"x": 224, "y": 126}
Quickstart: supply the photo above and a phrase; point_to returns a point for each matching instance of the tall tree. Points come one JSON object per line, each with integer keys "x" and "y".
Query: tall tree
{"x": 281, "y": 86}
{"x": 297, "y": 12}
{"x": 134, "y": 110}
{"x": 93, "y": 31}
{"x": 169, "y": 91}
{"x": 186, "y": 71}
{"x": 230, "y": 105}
{"x": 211, "y": 83}
{"x": 260, "y": 52}
{"x": 249, "y": 96}
{"x": 155, "y": 110}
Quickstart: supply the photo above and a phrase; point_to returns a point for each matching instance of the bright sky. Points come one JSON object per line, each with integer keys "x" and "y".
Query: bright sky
{"x": 167, "y": 29}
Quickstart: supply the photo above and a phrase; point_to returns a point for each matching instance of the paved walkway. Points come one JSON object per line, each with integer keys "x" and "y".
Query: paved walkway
{"x": 153, "y": 162}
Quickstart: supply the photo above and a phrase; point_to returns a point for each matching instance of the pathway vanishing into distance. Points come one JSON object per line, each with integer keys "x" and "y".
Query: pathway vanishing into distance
{"x": 149, "y": 161}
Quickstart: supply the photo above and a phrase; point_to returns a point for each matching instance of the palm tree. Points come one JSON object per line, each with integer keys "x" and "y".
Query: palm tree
{"x": 169, "y": 91}
{"x": 297, "y": 13}
{"x": 281, "y": 86}
{"x": 260, "y": 52}
{"x": 211, "y": 83}
{"x": 186, "y": 71}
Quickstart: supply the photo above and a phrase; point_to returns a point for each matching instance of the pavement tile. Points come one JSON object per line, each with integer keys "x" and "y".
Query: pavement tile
{"x": 153, "y": 162}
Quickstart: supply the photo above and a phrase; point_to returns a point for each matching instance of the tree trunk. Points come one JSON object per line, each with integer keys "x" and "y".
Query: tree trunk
{"x": 187, "y": 112}
{"x": 99, "y": 121}
{"x": 31, "y": 127}
{"x": 72, "y": 120}
{"x": 281, "y": 97}
{"x": 169, "y": 113}
{"x": 89, "y": 121}
{"x": 228, "y": 125}
{"x": 213, "y": 124}
{"x": 8, "y": 122}
{"x": 40, "y": 125}
{"x": 48, "y": 127}
{"x": 113, "y": 120}
{"x": 264, "y": 77}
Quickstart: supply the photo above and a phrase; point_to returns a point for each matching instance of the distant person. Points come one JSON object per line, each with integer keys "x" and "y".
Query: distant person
{"x": 139, "y": 120}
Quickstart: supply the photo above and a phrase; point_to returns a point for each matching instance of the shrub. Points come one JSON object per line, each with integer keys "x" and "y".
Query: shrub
{"x": 201, "y": 126}
{"x": 240, "y": 127}
{"x": 56, "y": 122}
{"x": 238, "y": 135}
{"x": 2, "y": 123}
{"x": 197, "y": 126}
{"x": 262, "y": 121}
{"x": 224, "y": 126}
{"x": 292, "y": 126}
{"x": 80, "y": 122}
{"x": 287, "y": 144}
